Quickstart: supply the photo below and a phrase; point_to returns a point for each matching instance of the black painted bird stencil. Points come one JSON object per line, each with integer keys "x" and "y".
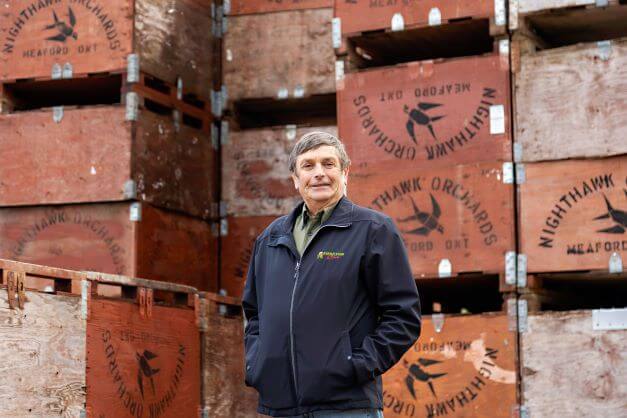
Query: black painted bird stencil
{"x": 618, "y": 216}
{"x": 429, "y": 221}
{"x": 418, "y": 116}
{"x": 145, "y": 370}
{"x": 65, "y": 30}
{"x": 416, "y": 372}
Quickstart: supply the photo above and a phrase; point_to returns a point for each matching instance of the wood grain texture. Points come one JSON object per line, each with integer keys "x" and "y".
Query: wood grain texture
{"x": 256, "y": 179}
{"x": 237, "y": 247}
{"x": 43, "y": 346}
{"x": 368, "y": 15}
{"x": 466, "y": 213}
{"x": 427, "y": 113}
{"x": 241, "y": 7}
{"x": 225, "y": 395}
{"x": 568, "y": 369}
{"x": 528, "y": 6}
{"x": 101, "y": 40}
{"x": 563, "y": 222}
{"x": 173, "y": 38}
{"x": 288, "y": 50}
{"x": 472, "y": 363}
{"x": 142, "y": 367}
{"x": 570, "y": 103}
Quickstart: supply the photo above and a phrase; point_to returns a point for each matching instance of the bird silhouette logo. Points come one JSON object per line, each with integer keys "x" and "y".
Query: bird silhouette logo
{"x": 416, "y": 372}
{"x": 618, "y": 216}
{"x": 429, "y": 221}
{"x": 145, "y": 370}
{"x": 419, "y": 116}
{"x": 65, "y": 30}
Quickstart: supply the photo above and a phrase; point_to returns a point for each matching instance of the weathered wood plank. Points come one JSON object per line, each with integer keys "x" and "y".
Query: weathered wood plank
{"x": 569, "y": 369}
{"x": 43, "y": 347}
{"x": 571, "y": 102}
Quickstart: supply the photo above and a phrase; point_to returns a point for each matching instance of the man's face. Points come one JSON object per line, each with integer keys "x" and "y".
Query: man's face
{"x": 319, "y": 177}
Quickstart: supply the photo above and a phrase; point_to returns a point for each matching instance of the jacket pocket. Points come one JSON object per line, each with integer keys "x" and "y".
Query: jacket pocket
{"x": 252, "y": 355}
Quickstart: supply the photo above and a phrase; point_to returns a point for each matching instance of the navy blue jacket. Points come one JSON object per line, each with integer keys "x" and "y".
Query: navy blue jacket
{"x": 323, "y": 327}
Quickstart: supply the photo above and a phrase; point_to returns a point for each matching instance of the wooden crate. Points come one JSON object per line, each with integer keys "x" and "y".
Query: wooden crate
{"x": 358, "y": 16}
{"x": 94, "y": 154}
{"x": 571, "y": 214}
{"x": 279, "y": 55}
{"x": 569, "y": 101}
{"x": 563, "y": 351}
{"x": 457, "y": 219}
{"x": 123, "y": 238}
{"x": 171, "y": 41}
{"x": 461, "y": 366}
{"x": 256, "y": 179}
{"x": 224, "y": 393}
{"x": 134, "y": 354}
{"x": 428, "y": 113}
{"x": 243, "y": 7}
{"x": 236, "y": 251}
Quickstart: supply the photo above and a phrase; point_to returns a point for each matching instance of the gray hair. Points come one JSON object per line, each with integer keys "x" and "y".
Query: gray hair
{"x": 313, "y": 140}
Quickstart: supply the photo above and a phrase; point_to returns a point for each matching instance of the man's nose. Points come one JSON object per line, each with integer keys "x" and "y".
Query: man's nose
{"x": 318, "y": 170}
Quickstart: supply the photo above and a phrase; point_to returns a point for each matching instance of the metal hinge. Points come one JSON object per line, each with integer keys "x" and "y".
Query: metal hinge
{"x": 85, "y": 297}
{"x": 15, "y": 288}
{"x": 222, "y": 208}
{"x": 520, "y": 411}
{"x": 504, "y": 48}
{"x": 609, "y": 319}
{"x": 521, "y": 270}
{"x": 513, "y": 14}
{"x": 497, "y": 120}
{"x": 336, "y": 32}
{"x": 290, "y": 132}
{"x": 397, "y": 23}
{"x": 605, "y": 50}
{"x": 224, "y": 132}
{"x": 132, "y": 106}
{"x": 499, "y": 12}
{"x": 435, "y": 17}
{"x": 221, "y": 228}
{"x": 132, "y": 68}
{"x": 218, "y": 20}
{"x": 204, "y": 412}
{"x": 145, "y": 299}
{"x": 521, "y": 174}
{"x": 57, "y": 114}
{"x": 68, "y": 71}
{"x": 339, "y": 70}
{"x": 518, "y": 152}
{"x": 56, "y": 71}
{"x": 517, "y": 314}
{"x": 218, "y": 101}
{"x": 135, "y": 212}
{"x": 215, "y": 137}
{"x": 200, "y": 308}
{"x": 438, "y": 322}
{"x": 130, "y": 189}
{"x": 179, "y": 88}
{"x": 508, "y": 173}
{"x": 299, "y": 91}
{"x": 226, "y": 4}
{"x": 222, "y": 309}
{"x": 445, "y": 268}
{"x": 510, "y": 268}
{"x": 282, "y": 93}
{"x": 615, "y": 264}
{"x": 601, "y": 3}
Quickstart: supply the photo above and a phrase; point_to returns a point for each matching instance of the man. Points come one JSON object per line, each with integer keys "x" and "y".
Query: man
{"x": 330, "y": 300}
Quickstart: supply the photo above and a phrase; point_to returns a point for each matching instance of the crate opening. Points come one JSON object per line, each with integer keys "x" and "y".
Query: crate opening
{"x": 465, "y": 37}
{"x": 88, "y": 91}
{"x": 260, "y": 113}
{"x": 574, "y": 25}
{"x": 470, "y": 294}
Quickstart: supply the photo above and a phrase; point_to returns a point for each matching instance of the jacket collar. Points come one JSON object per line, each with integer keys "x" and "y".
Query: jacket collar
{"x": 342, "y": 216}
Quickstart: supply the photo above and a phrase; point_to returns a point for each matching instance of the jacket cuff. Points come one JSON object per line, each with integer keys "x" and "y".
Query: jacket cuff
{"x": 362, "y": 373}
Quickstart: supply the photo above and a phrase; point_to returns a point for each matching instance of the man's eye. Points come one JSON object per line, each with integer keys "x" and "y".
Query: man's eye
{"x": 329, "y": 164}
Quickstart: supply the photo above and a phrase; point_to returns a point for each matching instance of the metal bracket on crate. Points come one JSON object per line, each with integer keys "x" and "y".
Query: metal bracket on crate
{"x": 204, "y": 412}
{"x": 513, "y": 14}
{"x": 504, "y": 48}
{"x": 518, "y": 152}
{"x": 226, "y": 5}
{"x": 215, "y": 134}
{"x": 398, "y": 23}
{"x": 130, "y": 189}
{"x": 217, "y": 28}
{"x": 435, "y": 17}
{"x": 521, "y": 270}
{"x": 218, "y": 101}
{"x": 336, "y": 32}
{"x": 132, "y": 106}
{"x": 605, "y": 50}
{"x": 339, "y": 70}
{"x": 145, "y": 299}
{"x": 445, "y": 268}
{"x": 222, "y": 208}
{"x": 499, "y": 12}
{"x": 57, "y": 114}
{"x": 224, "y": 132}
{"x": 179, "y": 88}
{"x": 497, "y": 120}
{"x": 437, "y": 320}
{"x": 609, "y": 319}
{"x": 517, "y": 314}
{"x": 85, "y": 296}
{"x": 222, "y": 310}
{"x": 508, "y": 173}
{"x": 521, "y": 175}
{"x": 221, "y": 228}
{"x": 290, "y": 132}
{"x": 615, "y": 264}
{"x": 510, "y": 268}
{"x": 200, "y": 309}
{"x": 15, "y": 288}
{"x": 601, "y": 3}
{"x": 283, "y": 93}
{"x": 56, "y": 71}
{"x": 135, "y": 212}
{"x": 132, "y": 68}
{"x": 67, "y": 71}
{"x": 520, "y": 411}
{"x": 299, "y": 91}
{"x": 176, "y": 118}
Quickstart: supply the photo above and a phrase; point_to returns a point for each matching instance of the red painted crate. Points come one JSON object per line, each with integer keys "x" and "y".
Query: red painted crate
{"x": 242, "y": 7}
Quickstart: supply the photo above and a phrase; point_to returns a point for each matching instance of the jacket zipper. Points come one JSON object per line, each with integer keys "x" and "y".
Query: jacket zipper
{"x": 296, "y": 275}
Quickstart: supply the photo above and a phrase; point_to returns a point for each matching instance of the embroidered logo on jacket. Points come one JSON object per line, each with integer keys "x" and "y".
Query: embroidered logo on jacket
{"x": 329, "y": 255}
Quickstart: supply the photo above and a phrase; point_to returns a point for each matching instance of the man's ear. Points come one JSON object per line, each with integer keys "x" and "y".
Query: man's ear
{"x": 295, "y": 179}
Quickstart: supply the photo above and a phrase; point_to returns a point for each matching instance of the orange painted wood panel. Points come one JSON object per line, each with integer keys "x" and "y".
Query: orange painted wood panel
{"x": 464, "y": 213}
{"x": 237, "y": 247}
{"x": 142, "y": 366}
{"x": 91, "y": 154}
{"x": 467, "y": 369}
{"x": 368, "y": 15}
{"x": 241, "y": 7}
{"x": 256, "y": 178}
{"x": 162, "y": 245}
{"x": 428, "y": 113}
{"x": 572, "y": 214}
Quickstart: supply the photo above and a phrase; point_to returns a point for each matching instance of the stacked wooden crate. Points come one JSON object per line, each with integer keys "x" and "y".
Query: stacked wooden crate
{"x": 278, "y": 73}
{"x": 106, "y": 156}
{"x": 424, "y": 98}
{"x": 570, "y": 90}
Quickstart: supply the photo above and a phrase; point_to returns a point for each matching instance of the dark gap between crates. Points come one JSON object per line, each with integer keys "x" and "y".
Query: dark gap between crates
{"x": 260, "y": 113}
{"x": 31, "y": 95}
{"x": 457, "y": 39}
{"x": 570, "y": 26}
{"x": 461, "y": 294}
